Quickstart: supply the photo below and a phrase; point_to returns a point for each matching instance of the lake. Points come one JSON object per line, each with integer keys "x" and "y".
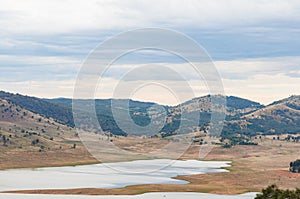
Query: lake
{"x": 109, "y": 175}
{"x": 143, "y": 196}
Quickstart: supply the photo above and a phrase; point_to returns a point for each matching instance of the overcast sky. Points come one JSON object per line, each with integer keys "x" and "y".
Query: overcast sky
{"x": 255, "y": 44}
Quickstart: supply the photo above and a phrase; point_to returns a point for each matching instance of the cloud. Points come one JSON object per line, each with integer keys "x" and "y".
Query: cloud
{"x": 294, "y": 74}
{"x": 25, "y": 68}
{"x": 37, "y": 68}
{"x": 228, "y": 29}
{"x": 240, "y": 69}
{"x": 247, "y": 68}
{"x": 43, "y": 43}
{"x": 56, "y": 16}
{"x": 41, "y": 88}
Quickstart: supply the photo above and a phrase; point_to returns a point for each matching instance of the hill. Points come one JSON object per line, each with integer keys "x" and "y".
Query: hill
{"x": 243, "y": 116}
{"x": 236, "y": 108}
{"x": 28, "y": 139}
{"x": 138, "y": 112}
{"x": 23, "y": 129}
{"x": 277, "y": 118}
{"x": 46, "y": 109}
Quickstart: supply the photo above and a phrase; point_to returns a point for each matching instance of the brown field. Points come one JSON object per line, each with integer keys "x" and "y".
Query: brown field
{"x": 253, "y": 168}
{"x": 32, "y": 159}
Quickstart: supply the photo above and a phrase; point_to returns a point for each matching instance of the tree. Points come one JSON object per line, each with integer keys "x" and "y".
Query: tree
{"x": 4, "y": 140}
{"x": 295, "y": 166}
{"x": 273, "y": 192}
{"x": 34, "y": 142}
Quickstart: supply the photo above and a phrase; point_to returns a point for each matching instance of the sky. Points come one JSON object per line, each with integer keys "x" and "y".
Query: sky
{"x": 254, "y": 44}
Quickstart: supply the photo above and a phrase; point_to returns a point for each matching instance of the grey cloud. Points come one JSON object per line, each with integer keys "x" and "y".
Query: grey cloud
{"x": 294, "y": 74}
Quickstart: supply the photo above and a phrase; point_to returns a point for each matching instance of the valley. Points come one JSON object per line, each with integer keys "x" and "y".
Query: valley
{"x": 260, "y": 141}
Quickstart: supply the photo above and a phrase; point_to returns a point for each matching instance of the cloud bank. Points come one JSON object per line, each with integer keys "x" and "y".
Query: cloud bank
{"x": 253, "y": 43}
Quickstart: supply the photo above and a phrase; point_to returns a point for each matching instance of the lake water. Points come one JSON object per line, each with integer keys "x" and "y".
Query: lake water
{"x": 143, "y": 196}
{"x": 109, "y": 175}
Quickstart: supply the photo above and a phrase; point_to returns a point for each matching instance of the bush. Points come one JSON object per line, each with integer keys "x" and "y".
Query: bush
{"x": 34, "y": 142}
{"x": 295, "y": 166}
{"x": 272, "y": 192}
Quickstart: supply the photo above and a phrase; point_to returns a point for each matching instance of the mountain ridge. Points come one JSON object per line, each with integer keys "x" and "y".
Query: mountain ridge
{"x": 243, "y": 116}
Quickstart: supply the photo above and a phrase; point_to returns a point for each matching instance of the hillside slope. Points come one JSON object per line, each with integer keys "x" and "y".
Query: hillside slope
{"x": 138, "y": 112}
{"x": 61, "y": 114}
{"x": 277, "y": 118}
{"x": 24, "y": 130}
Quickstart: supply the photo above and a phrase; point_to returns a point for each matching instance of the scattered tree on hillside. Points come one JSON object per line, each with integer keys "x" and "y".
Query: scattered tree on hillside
{"x": 232, "y": 140}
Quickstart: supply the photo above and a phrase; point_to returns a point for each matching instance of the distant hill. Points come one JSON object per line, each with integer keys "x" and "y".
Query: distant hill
{"x": 138, "y": 111}
{"x": 236, "y": 108}
{"x": 242, "y": 116}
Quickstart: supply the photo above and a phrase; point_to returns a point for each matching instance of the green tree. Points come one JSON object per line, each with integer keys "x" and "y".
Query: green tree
{"x": 273, "y": 192}
{"x": 4, "y": 140}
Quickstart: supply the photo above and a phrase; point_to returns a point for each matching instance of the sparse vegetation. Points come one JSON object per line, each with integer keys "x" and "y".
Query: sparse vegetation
{"x": 233, "y": 140}
{"x": 27, "y": 133}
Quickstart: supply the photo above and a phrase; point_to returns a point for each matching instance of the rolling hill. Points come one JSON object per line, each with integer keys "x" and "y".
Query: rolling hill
{"x": 242, "y": 116}
{"x": 138, "y": 111}
{"x": 277, "y": 118}
{"x": 46, "y": 109}
{"x": 24, "y": 130}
